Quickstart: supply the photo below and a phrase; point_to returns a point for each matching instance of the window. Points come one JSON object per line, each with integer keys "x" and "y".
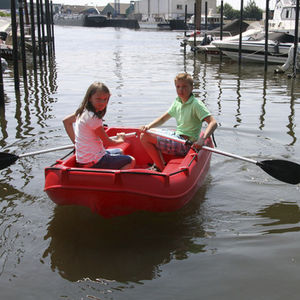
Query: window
{"x": 179, "y": 6}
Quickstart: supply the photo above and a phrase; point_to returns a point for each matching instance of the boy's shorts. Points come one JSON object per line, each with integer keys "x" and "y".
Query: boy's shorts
{"x": 171, "y": 147}
{"x": 113, "y": 159}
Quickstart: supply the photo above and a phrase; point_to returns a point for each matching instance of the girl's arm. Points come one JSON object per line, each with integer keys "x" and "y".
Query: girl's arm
{"x": 68, "y": 124}
{"x": 157, "y": 122}
{"x": 107, "y": 141}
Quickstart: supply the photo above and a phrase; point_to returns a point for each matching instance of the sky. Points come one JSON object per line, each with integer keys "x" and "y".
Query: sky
{"x": 234, "y": 3}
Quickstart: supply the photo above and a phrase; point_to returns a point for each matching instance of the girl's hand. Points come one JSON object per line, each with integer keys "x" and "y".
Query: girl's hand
{"x": 121, "y": 137}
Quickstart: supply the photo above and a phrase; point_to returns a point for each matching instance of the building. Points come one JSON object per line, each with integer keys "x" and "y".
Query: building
{"x": 122, "y": 9}
{"x": 169, "y": 9}
{"x": 5, "y": 4}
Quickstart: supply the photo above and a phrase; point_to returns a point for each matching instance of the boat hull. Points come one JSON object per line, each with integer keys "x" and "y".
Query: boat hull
{"x": 112, "y": 193}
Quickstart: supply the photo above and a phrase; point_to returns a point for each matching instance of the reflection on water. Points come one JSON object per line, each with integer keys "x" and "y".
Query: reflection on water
{"x": 282, "y": 215}
{"x": 10, "y": 248}
{"x": 131, "y": 248}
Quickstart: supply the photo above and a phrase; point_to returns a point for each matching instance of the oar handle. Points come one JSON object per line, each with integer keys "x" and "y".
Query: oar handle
{"x": 230, "y": 154}
{"x": 65, "y": 147}
{"x": 47, "y": 150}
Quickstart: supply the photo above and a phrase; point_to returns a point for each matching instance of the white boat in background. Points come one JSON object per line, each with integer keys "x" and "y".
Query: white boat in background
{"x": 253, "y": 50}
{"x": 213, "y": 20}
{"x": 4, "y": 64}
{"x": 254, "y": 31}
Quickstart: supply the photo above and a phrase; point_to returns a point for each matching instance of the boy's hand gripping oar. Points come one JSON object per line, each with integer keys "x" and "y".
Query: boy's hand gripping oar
{"x": 7, "y": 159}
{"x": 282, "y": 170}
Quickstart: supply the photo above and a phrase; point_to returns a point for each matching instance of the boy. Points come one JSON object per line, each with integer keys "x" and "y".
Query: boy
{"x": 189, "y": 114}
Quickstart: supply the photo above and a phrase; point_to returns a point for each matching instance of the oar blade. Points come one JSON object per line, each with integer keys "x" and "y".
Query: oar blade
{"x": 7, "y": 159}
{"x": 282, "y": 170}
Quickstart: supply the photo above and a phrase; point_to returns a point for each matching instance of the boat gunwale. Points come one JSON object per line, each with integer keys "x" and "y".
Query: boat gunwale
{"x": 137, "y": 172}
{"x": 134, "y": 191}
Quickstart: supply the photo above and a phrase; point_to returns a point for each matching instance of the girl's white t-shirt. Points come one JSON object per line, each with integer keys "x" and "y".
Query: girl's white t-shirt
{"x": 89, "y": 147}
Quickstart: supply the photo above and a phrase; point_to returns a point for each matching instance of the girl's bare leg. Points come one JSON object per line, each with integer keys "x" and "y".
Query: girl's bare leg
{"x": 131, "y": 165}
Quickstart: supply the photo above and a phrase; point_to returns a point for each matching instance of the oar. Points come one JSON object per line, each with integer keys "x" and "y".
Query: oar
{"x": 283, "y": 170}
{"x": 7, "y": 159}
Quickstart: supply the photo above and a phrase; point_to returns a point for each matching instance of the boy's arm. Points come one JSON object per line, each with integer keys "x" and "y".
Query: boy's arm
{"x": 157, "y": 122}
{"x": 211, "y": 127}
{"x": 68, "y": 124}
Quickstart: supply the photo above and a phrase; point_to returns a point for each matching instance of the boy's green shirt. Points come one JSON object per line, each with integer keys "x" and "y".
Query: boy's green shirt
{"x": 189, "y": 116}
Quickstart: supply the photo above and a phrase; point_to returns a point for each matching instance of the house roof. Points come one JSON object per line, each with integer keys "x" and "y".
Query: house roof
{"x": 123, "y": 7}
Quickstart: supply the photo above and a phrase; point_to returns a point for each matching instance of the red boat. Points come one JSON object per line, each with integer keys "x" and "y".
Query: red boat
{"x": 113, "y": 193}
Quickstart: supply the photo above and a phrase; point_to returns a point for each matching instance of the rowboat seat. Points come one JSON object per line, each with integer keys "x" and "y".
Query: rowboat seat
{"x": 172, "y": 164}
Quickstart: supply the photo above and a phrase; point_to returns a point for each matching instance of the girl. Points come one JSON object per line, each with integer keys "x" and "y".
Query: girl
{"x": 89, "y": 136}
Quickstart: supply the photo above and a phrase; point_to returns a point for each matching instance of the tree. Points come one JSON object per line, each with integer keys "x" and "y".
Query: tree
{"x": 229, "y": 12}
{"x": 252, "y": 11}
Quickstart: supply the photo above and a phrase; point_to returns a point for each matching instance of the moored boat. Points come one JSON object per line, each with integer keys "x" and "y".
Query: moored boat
{"x": 113, "y": 193}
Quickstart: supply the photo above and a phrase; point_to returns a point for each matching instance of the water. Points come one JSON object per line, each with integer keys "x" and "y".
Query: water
{"x": 237, "y": 239}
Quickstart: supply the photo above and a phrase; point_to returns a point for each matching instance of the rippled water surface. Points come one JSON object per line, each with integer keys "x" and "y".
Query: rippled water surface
{"x": 237, "y": 239}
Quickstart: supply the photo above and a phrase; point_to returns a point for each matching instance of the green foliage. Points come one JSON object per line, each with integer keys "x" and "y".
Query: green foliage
{"x": 229, "y": 12}
{"x": 3, "y": 14}
{"x": 251, "y": 11}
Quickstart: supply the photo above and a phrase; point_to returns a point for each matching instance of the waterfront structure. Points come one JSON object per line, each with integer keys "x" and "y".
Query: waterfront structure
{"x": 168, "y": 9}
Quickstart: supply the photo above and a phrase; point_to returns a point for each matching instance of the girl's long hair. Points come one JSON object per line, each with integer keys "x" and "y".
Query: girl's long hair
{"x": 85, "y": 104}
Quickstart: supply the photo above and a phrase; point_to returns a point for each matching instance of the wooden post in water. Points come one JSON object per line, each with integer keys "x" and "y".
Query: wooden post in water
{"x": 23, "y": 53}
{"x": 266, "y": 35}
{"x": 185, "y": 19}
{"x": 15, "y": 43}
{"x": 221, "y": 27}
{"x": 222, "y": 20}
{"x": 49, "y": 38}
{"x": 43, "y": 30}
{"x": 296, "y": 40}
{"x": 38, "y": 13}
{"x": 195, "y": 27}
{"x": 1, "y": 85}
{"x": 241, "y": 32}
{"x": 33, "y": 36}
{"x": 205, "y": 35}
{"x": 52, "y": 26}
{"x": 198, "y": 14}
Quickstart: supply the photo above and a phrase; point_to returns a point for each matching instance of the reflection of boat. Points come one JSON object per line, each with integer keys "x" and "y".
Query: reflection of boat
{"x": 120, "y": 192}
{"x": 108, "y": 250}
{"x": 253, "y": 50}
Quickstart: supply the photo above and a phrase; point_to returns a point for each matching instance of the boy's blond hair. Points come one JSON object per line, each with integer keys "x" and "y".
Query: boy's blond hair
{"x": 184, "y": 76}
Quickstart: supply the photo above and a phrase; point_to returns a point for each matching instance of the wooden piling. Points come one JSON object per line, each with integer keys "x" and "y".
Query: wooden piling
{"x": 15, "y": 44}
{"x": 266, "y": 35}
{"x": 222, "y": 20}
{"x": 52, "y": 26}
{"x": 33, "y": 36}
{"x": 1, "y": 85}
{"x": 241, "y": 32}
{"x": 23, "y": 52}
{"x": 296, "y": 40}
{"x": 43, "y": 31}
{"x": 38, "y": 21}
{"x": 48, "y": 28}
